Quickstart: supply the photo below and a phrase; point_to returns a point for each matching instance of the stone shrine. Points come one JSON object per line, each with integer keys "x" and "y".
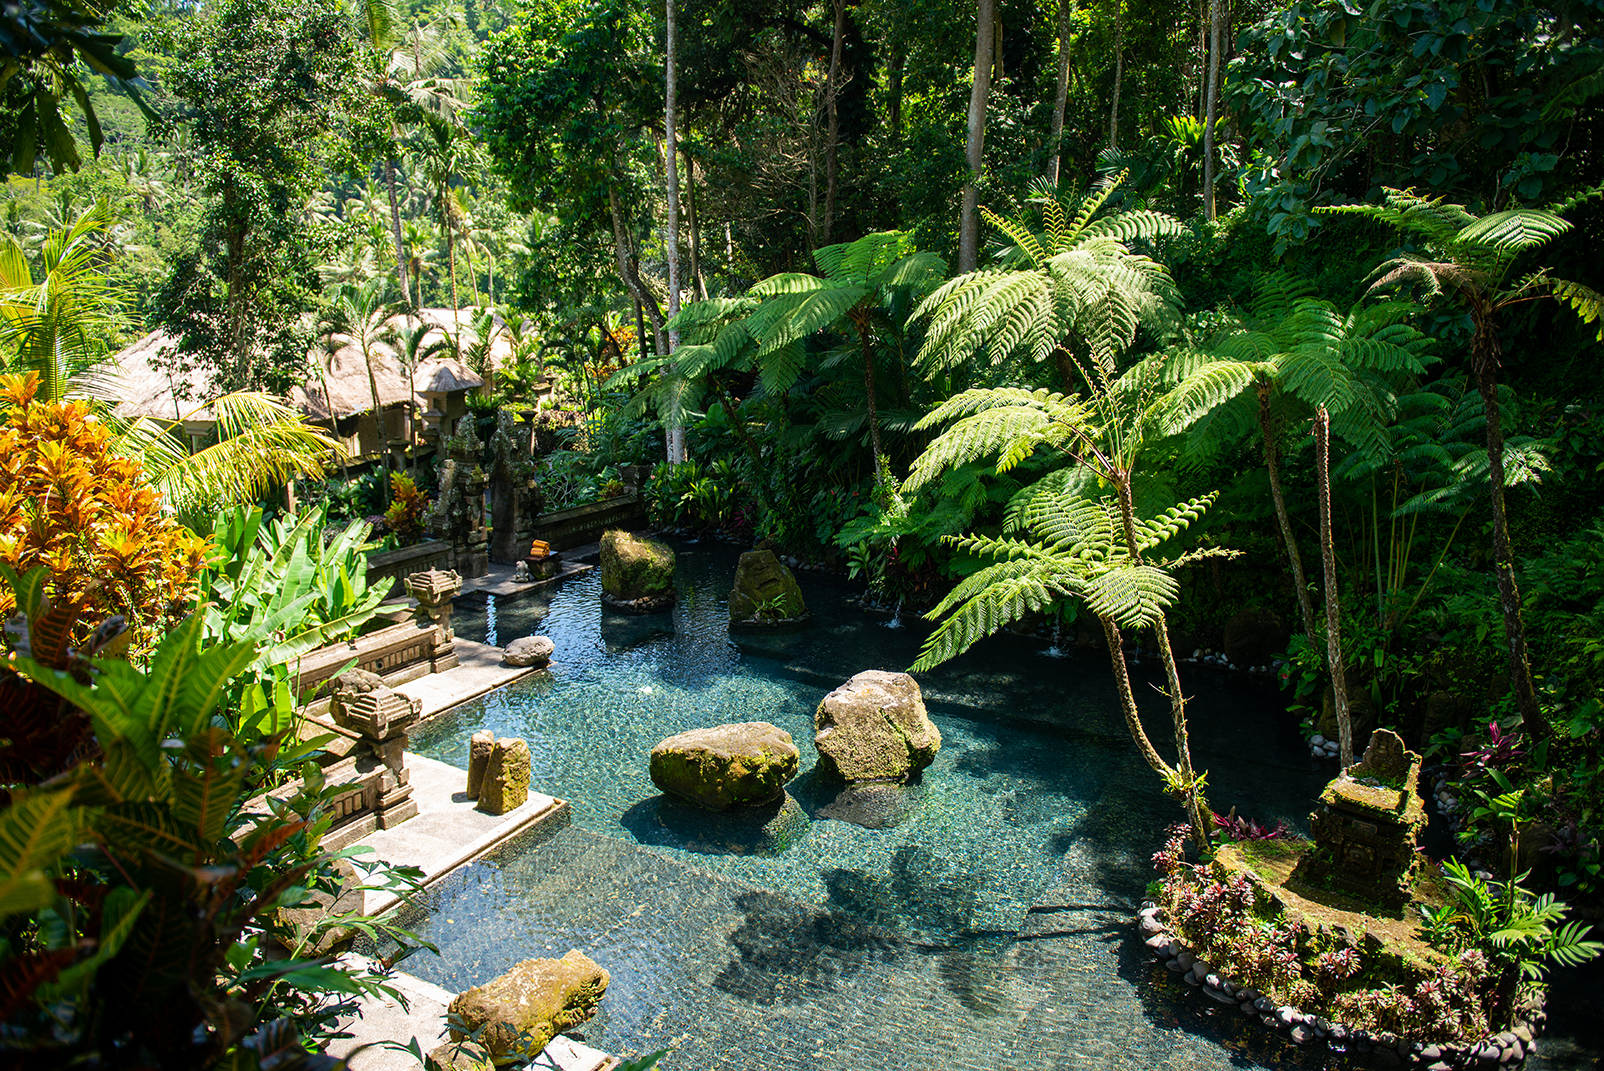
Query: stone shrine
{"x": 1367, "y": 825}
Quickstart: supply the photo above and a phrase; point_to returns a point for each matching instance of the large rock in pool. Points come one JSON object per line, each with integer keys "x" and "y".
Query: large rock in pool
{"x": 874, "y": 728}
{"x": 519, "y": 1013}
{"x": 765, "y": 593}
{"x": 717, "y": 768}
{"x": 637, "y": 575}
{"x": 528, "y": 651}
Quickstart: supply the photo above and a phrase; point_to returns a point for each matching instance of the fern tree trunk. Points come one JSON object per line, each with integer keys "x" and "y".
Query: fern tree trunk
{"x": 1328, "y": 557}
{"x": 1188, "y": 783}
{"x": 1272, "y": 464}
{"x": 860, "y": 321}
{"x": 1210, "y": 103}
{"x": 1484, "y": 361}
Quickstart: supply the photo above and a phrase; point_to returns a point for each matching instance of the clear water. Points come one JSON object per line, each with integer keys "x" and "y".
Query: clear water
{"x": 979, "y": 918}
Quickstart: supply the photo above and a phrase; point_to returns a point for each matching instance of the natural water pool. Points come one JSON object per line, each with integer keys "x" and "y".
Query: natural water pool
{"x": 978, "y": 919}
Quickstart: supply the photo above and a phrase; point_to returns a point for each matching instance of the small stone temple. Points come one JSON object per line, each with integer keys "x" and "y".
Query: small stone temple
{"x": 1368, "y": 823}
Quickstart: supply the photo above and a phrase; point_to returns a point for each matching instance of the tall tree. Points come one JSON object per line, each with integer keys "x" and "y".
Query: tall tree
{"x": 259, "y": 85}
{"x": 1066, "y": 12}
{"x": 1211, "y": 97}
{"x": 1469, "y": 259}
{"x": 832, "y": 138}
{"x": 975, "y": 146}
{"x": 676, "y": 428}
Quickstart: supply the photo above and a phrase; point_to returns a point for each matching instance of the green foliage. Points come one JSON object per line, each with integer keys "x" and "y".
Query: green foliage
{"x": 145, "y": 884}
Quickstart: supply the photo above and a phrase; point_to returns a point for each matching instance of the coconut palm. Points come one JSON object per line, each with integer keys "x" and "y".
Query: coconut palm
{"x": 1471, "y": 259}
{"x": 261, "y": 443}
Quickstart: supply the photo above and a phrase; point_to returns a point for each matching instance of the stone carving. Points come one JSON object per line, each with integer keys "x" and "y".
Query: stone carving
{"x": 360, "y": 701}
{"x": 514, "y": 502}
{"x": 874, "y": 728}
{"x": 1367, "y": 824}
{"x": 459, "y": 507}
{"x": 506, "y": 781}
{"x": 765, "y": 593}
{"x": 727, "y": 765}
{"x": 637, "y": 575}
{"x": 435, "y": 591}
{"x": 518, "y": 1014}
{"x": 480, "y": 745}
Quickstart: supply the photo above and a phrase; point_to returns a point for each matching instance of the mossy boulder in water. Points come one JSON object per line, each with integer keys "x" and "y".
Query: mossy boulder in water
{"x": 717, "y": 768}
{"x": 518, "y": 1014}
{"x": 637, "y": 575}
{"x": 766, "y": 592}
{"x": 875, "y": 728}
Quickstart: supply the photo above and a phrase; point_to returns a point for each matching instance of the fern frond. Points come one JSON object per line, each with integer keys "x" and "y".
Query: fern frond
{"x": 1513, "y": 230}
{"x": 1172, "y": 522}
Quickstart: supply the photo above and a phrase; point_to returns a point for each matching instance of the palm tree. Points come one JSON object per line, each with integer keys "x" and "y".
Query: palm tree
{"x": 58, "y": 326}
{"x": 1470, "y": 259}
{"x": 359, "y": 312}
{"x": 261, "y": 443}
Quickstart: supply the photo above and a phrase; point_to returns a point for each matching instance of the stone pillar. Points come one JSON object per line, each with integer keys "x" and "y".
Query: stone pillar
{"x": 383, "y": 718}
{"x": 458, "y": 516}
{"x": 506, "y": 781}
{"x": 435, "y": 589}
{"x": 480, "y": 745}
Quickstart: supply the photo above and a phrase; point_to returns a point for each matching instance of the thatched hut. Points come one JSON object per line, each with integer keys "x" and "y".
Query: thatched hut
{"x": 339, "y": 395}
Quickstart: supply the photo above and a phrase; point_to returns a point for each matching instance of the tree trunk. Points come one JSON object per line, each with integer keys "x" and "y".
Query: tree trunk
{"x": 1484, "y": 358}
{"x": 1210, "y": 104}
{"x": 698, "y": 284}
{"x": 1119, "y": 72}
{"x": 629, "y": 273}
{"x": 675, "y": 431}
{"x": 1272, "y": 464}
{"x": 395, "y": 231}
{"x": 974, "y": 149}
{"x": 860, "y": 321}
{"x": 1328, "y": 557}
{"x": 1066, "y": 9}
{"x": 1127, "y": 700}
{"x": 832, "y": 89}
{"x": 899, "y": 61}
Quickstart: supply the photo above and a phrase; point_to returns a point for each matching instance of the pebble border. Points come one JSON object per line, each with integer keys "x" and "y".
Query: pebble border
{"x": 1507, "y": 1049}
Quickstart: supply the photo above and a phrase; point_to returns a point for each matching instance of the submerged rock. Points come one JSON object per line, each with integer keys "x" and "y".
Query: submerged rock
{"x": 528, "y": 651}
{"x": 519, "y": 1013}
{"x": 637, "y": 575}
{"x": 874, "y": 728}
{"x": 746, "y": 762}
{"x": 765, "y": 592}
{"x": 875, "y": 805}
{"x": 506, "y": 781}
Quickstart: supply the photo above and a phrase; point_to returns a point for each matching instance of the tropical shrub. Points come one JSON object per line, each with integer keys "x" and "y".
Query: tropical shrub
{"x": 137, "y": 889}
{"x": 408, "y": 510}
{"x": 70, "y": 504}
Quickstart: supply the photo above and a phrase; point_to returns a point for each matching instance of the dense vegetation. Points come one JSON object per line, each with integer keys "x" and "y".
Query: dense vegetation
{"x": 1124, "y": 319}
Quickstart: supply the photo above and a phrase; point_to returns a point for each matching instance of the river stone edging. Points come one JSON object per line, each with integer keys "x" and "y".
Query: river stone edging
{"x": 1507, "y": 1049}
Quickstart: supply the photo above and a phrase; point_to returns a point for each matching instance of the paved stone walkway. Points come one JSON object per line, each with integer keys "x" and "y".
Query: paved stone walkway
{"x": 479, "y": 670}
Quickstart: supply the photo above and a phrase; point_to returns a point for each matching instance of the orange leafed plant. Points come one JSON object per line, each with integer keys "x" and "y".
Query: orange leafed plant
{"x": 72, "y": 505}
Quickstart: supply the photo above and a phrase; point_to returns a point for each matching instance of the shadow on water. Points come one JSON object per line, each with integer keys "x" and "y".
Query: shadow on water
{"x": 762, "y": 829}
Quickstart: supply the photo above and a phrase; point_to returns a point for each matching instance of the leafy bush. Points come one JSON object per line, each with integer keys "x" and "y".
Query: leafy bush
{"x": 71, "y": 505}
{"x": 408, "y": 510}
{"x": 137, "y": 889}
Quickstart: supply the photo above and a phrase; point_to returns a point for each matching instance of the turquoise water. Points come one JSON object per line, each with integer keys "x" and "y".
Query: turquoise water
{"x": 978, "y": 918}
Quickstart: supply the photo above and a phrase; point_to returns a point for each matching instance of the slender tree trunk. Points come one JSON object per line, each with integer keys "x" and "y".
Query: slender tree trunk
{"x": 1210, "y": 105}
{"x": 1484, "y": 357}
{"x": 860, "y": 321}
{"x": 676, "y": 429}
{"x": 1272, "y": 464}
{"x": 975, "y": 147}
{"x": 1192, "y": 792}
{"x": 395, "y": 230}
{"x": 1055, "y": 140}
{"x": 1127, "y": 700}
{"x": 832, "y": 90}
{"x": 629, "y": 273}
{"x": 698, "y": 283}
{"x": 899, "y": 61}
{"x": 1328, "y": 556}
{"x": 1119, "y": 72}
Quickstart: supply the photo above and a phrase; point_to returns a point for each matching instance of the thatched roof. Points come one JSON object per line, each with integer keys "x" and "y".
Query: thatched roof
{"x": 147, "y": 391}
{"x": 342, "y": 390}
